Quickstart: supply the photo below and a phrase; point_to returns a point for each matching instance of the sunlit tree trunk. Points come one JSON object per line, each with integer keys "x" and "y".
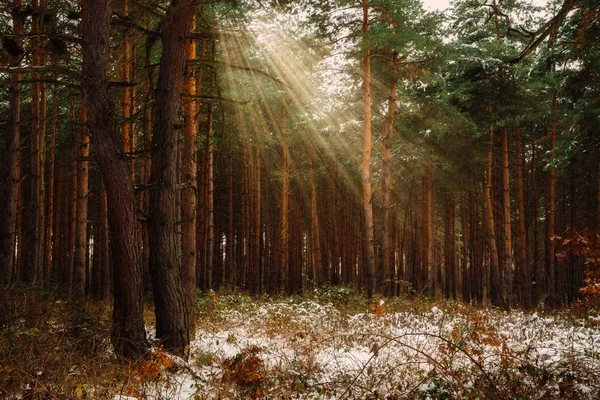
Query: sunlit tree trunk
{"x": 365, "y": 170}
{"x": 10, "y": 157}
{"x": 189, "y": 167}
{"x": 317, "y": 264}
{"x": 386, "y": 187}
{"x": 210, "y": 218}
{"x": 284, "y": 218}
{"x": 258, "y": 222}
{"x": 128, "y": 334}
{"x": 171, "y": 305}
{"x": 127, "y": 99}
{"x": 335, "y": 276}
{"x": 81, "y": 213}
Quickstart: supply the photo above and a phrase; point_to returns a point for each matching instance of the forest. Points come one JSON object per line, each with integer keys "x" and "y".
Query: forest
{"x": 374, "y": 199}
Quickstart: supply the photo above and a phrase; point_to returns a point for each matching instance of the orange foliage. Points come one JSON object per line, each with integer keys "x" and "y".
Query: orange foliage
{"x": 149, "y": 368}
{"x": 376, "y": 306}
{"x": 245, "y": 370}
{"x": 587, "y": 245}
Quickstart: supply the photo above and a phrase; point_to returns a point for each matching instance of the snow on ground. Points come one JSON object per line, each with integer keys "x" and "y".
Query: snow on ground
{"x": 302, "y": 349}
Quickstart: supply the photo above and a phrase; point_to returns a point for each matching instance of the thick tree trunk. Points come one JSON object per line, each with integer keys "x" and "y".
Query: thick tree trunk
{"x": 173, "y": 325}
{"x": 81, "y": 214}
{"x": 496, "y": 285}
{"x": 128, "y": 333}
{"x": 9, "y": 159}
{"x": 365, "y": 170}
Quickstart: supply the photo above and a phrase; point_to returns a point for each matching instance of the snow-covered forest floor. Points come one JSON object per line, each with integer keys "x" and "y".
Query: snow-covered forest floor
{"x": 330, "y": 344}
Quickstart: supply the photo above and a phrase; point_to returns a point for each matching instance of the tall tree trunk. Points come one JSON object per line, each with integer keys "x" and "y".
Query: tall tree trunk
{"x": 258, "y": 222}
{"x": 128, "y": 334}
{"x": 188, "y": 196}
{"x": 231, "y": 273}
{"x": 33, "y": 263}
{"x": 551, "y": 211}
{"x": 9, "y": 158}
{"x": 524, "y": 275}
{"x": 81, "y": 214}
{"x": 128, "y": 92}
{"x": 210, "y": 217}
{"x": 386, "y": 188}
{"x": 171, "y": 305}
{"x": 317, "y": 264}
{"x": 284, "y": 227}
{"x": 365, "y": 170}
{"x": 509, "y": 272}
{"x": 433, "y": 287}
{"x": 58, "y": 237}
{"x": 49, "y": 219}
{"x": 496, "y": 285}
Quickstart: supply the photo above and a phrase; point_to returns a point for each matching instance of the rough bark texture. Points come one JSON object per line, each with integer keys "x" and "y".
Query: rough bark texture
{"x": 365, "y": 170}
{"x": 128, "y": 333}
{"x": 188, "y": 196}
{"x": 81, "y": 214}
{"x": 9, "y": 160}
{"x": 171, "y": 305}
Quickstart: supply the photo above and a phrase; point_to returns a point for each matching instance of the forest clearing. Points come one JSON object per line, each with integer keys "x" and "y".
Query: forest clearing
{"x": 360, "y": 199}
{"x": 331, "y": 343}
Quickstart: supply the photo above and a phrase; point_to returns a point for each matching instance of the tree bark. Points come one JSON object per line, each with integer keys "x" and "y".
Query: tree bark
{"x": 551, "y": 211}
{"x": 81, "y": 214}
{"x": 188, "y": 196}
{"x": 128, "y": 334}
{"x": 9, "y": 159}
{"x": 365, "y": 170}
{"x": 284, "y": 227}
{"x": 432, "y": 287}
{"x": 524, "y": 274}
{"x": 508, "y": 268}
{"x": 317, "y": 264}
{"x": 496, "y": 285}
{"x": 386, "y": 188}
{"x": 173, "y": 325}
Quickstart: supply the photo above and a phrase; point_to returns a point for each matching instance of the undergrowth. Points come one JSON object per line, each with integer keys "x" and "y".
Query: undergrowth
{"x": 329, "y": 343}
